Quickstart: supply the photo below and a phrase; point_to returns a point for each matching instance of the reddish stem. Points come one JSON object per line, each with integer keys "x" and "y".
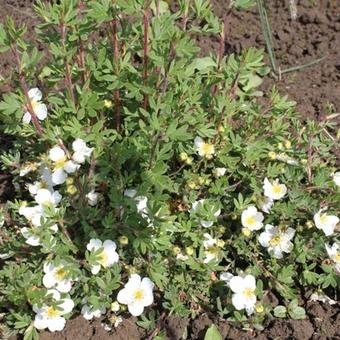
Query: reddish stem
{"x": 185, "y": 17}
{"x": 146, "y": 53}
{"x": 221, "y": 49}
{"x": 116, "y": 95}
{"x": 81, "y": 58}
{"x": 68, "y": 78}
{"x": 24, "y": 86}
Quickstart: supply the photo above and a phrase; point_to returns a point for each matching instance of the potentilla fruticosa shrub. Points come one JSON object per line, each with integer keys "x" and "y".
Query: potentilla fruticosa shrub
{"x": 154, "y": 177}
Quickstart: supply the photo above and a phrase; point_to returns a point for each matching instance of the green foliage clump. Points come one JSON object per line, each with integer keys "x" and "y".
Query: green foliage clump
{"x": 136, "y": 152}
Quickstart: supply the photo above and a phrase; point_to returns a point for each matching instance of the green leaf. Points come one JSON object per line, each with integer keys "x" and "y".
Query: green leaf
{"x": 280, "y": 311}
{"x": 213, "y": 333}
{"x": 242, "y": 4}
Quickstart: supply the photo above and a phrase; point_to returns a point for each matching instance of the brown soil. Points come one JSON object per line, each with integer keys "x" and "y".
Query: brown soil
{"x": 315, "y": 33}
{"x": 323, "y": 323}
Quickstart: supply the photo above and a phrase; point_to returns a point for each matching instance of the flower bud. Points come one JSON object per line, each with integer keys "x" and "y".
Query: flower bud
{"x": 246, "y": 232}
{"x": 71, "y": 189}
{"x": 280, "y": 146}
{"x": 288, "y": 144}
{"x": 272, "y": 154}
{"x": 221, "y": 229}
{"x": 176, "y": 250}
{"x": 107, "y": 103}
{"x": 220, "y": 243}
{"x": 69, "y": 180}
{"x": 200, "y": 180}
{"x": 221, "y": 129}
{"x": 207, "y": 181}
{"x": 189, "y": 160}
{"x": 259, "y": 308}
{"x": 309, "y": 224}
{"x": 123, "y": 240}
{"x": 115, "y": 306}
{"x": 213, "y": 276}
{"x": 189, "y": 250}
{"x": 192, "y": 185}
{"x": 183, "y": 156}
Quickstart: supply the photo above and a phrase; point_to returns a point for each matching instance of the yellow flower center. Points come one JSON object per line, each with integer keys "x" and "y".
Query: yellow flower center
{"x": 52, "y": 312}
{"x": 43, "y": 184}
{"x": 248, "y": 292}
{"x": 34, "y": 104}
{"x": 60, "y": 273}
{"x": 103, "y": 258}
{"x": 211, "y": 250}
{"x": 250, "y": 220}
{"x": 277, "y": 189}
{"x": 207, "y": 149}
{"x": 275, "y": 241}
{"x": 139, "y": 294}
{"x": 60, "y": 163}
{"x": 337, "y": 257}
{"x": 323, "y": 218}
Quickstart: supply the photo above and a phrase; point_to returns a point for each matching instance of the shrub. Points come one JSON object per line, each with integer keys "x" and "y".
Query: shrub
{"x": 140, "y": 160}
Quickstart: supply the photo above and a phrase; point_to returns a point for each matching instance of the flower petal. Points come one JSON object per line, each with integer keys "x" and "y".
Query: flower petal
{"x": 41, "y": 111}
{"x": 94, "y": 244}
{"x": 136, "y": 309}
{"x": 35, "y": 94}
{"x": 236, "y": 284}
{"x": 26, "y": 118}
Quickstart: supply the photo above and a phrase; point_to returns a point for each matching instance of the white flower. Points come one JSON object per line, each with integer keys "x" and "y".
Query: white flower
{"x": 283, "y": 157}
{"x": 31, "y": 237}
{"x": 106, "y": 326}
{"x": 326, "y": 223}
{"x": 277, "y": 240}
{"x": 81, "y": 151}
{"x": 322, "y": 297}
{"x": 45, "y": 198}
{"x": 196, "y": 206}
{"x": 182, "y": 257}
{"x": 265, "y": 204}
{"x": 244, "y": 292}
{"x": 107, "y": 257}
{"x": 275, "y": 190}
{"x": 130, "y": 193}
{"x": 334, "y": 254}
{"x": 252, "y": 219}
{"x": 336, "y": 178}
{"x": 62, "y": 166}
{"x": 89, "y": 312}
{"x": 33, "y": 188}
{"x": 27, "y": 169}
{"x": 136, "y": 294}
{"x": 34, "y": 215}
{"x": 57, "y": 277}
{"x": 52, "y": 316}
{"x": 212, "y": 250}
{"x": 141, "y": 204}
{"x": 92, "y": 198}
{"x": 220, "y": 172}
{"x": 204, "y": 149}
{"x": 226, "y": 276}
{"x": 39, "y": 109}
